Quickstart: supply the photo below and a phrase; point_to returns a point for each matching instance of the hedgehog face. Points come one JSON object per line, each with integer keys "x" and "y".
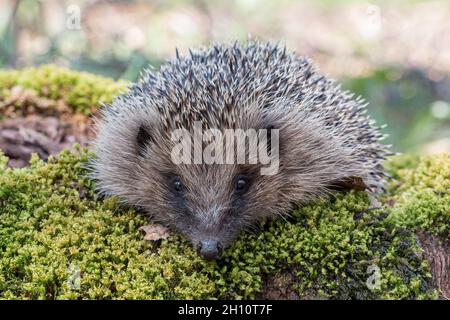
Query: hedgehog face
{"x": 208, "y": 203}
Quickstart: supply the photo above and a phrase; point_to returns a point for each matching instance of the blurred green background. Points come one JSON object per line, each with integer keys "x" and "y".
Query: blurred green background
{"x": 396, "y": 54}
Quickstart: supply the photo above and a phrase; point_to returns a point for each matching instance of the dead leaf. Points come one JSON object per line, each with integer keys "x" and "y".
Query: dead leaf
{"x": 155, "y": 232}
{"x": 348, "y": 183}
{"x": 374, "y": 203}
{"x": 391, "y": 202}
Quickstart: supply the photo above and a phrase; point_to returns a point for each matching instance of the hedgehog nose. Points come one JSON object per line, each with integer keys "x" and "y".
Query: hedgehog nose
{"x": 209, "y": 249}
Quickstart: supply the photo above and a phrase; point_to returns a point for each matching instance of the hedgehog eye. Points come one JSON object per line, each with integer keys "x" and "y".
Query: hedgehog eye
{"x": 177, "y": 184}
{"x": 241, "y": 184}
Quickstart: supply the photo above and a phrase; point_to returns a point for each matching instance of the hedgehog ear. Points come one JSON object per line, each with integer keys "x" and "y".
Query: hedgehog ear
{"x": 143, "y": 139}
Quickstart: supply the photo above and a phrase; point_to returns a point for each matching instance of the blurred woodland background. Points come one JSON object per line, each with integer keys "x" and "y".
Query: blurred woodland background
{"x": 396, "y": 54}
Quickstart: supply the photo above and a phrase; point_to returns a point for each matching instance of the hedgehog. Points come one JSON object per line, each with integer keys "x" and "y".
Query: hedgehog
{"x": 326, "y": 142}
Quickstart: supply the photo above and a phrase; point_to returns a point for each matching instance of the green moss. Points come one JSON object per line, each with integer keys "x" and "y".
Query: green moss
{"x": 52, "y": 223}
{"x": 329, "y": 246}
{"x": 82, "y": 92}
{"x": 397, "y": 163}
{"x": 422, "y": 196}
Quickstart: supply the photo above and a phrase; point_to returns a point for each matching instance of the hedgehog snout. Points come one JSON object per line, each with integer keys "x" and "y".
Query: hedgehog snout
{"x": 209, "y": 249}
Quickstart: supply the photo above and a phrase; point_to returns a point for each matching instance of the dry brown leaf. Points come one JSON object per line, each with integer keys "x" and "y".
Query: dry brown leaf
{"x": 155, "y": 232}
{"x": 374, "y": 203}
{"x": 391, "y": 202}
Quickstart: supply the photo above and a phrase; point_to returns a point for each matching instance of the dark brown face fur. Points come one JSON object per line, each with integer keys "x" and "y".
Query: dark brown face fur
{"x": 324, "y": 140}
{"x": 208, "y": 203}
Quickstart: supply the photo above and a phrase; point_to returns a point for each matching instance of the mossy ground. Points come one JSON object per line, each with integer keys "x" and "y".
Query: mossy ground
{"x": 52, "y": 223}
{"x": 422, "y": 196}
{"x": 54, "y": 228}
{"x": 82, "y": 92}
